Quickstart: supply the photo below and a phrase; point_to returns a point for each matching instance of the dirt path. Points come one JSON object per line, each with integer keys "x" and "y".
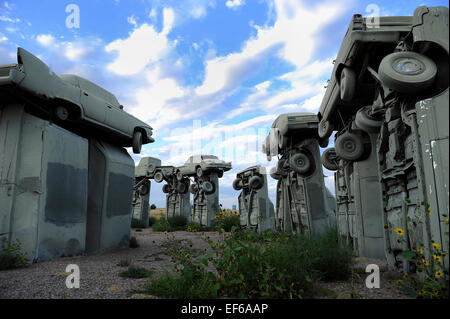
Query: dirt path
{"x": 99, "y": 273}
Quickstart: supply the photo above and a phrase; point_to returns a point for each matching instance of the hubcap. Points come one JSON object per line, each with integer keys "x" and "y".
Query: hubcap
{"x": 408, "y": 66}
{"x": 349, "y": 146}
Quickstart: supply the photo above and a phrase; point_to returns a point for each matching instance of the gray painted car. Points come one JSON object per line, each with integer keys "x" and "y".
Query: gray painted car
{"x": 198, "y": 165}
{"x": 74, "y": 102}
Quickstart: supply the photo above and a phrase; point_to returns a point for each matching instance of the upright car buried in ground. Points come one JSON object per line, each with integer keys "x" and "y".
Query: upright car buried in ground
{"x": 75, "y": 103}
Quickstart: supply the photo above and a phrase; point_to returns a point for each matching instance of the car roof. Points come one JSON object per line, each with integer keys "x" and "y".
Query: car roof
{"x": 90, "y": 87}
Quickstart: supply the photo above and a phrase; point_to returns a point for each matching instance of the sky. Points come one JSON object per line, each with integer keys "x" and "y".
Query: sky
{"x": 210, "y": 76}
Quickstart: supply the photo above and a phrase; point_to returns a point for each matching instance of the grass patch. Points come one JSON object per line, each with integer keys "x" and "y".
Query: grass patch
{"x": 134, "y": 242}
{"x": 151, "y": 221}
{"x": 135, "y": 272}
{"x": 11, "y": 255}
{"x": 170, "y": 224}
{"x": 124, "y": 262}
{"x": 136, "y": 223}
{"x": 249, "y": 265}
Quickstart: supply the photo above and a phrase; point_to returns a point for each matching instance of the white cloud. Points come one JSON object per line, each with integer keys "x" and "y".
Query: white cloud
{"x": 3, "y": 39}
{"x": 292, "y": 38}
{"x": 233, "y": 4}
{"x": 132, "y": 20}
{"x": 8, "y": 19}
{"x": 143, "y": 46}
{"x": 46, "y": 39}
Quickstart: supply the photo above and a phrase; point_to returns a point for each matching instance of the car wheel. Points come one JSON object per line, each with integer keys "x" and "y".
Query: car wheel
{"x": 220, "y": 174}
{"x": 144, "y": 189}
{"x": 349, "y": 146}
{"x": 237, "y": 184}
{"x": 199, "y": 171}
{"x": 256, "y": 182}
{"x": 179, "y": 175}
{"x": 208, "y": 187}
{"x": 193, "y": 189}
{"x": 137, "y": 142}
{"x": 329, "y": 159}
{"x": 181, "y": 188}
{"x": 62, "y": 113}
{"x": 150, "y": 169}
{"x": 274, "y": 174}
{"x": 159, "y": 177}
{"x": 407, "y": 72}
{"x": 367, "y": 122}
{"x": 347, "y": 84}
{"x": 325, "y": 128}
{"x": 300, "y": 163}
{"x": 166, "y": 188}
{"x": 281, "y": 140}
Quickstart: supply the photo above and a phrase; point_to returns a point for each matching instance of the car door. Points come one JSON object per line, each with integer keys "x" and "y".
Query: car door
{"x": 119, "y": 119}
{"x": 94, "y": 106}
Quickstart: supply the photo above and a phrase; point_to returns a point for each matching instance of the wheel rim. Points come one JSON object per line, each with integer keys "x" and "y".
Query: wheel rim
{"x": 349, "y": 146}
{"x": 300, "y": 162}
{"x": 408, "y": 66}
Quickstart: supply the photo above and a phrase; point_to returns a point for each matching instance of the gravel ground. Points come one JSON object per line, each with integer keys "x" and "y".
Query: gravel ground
{"x": 99, "y": 273}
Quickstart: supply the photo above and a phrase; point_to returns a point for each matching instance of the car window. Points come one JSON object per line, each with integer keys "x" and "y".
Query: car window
{"x": 189, "y": 160}
{"x": 209, "y": 157}
{"x": 99, "y": 92}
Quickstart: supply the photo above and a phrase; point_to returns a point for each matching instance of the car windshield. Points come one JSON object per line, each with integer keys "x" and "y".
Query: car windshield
{"x": 204, "y": 157}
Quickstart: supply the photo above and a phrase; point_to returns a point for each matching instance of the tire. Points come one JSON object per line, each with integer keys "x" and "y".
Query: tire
{"x": 166, "y": 188}
{"x": 325, "y": 129}
{"x": 193, "y": 188}
{"x": 237, "y": 184}
{"x": 282, "y": 140}
{"x": 208, "y": 187}
{"x": 150, "y": 169}
{"x": 220, "y": 174}
{"x": 329, "y": 159}
{"x": 300, "y": 163}
{"x": 256, "y": 182}
{"x": 137, "y": 142}
{"x": 323, "y": 142}
{"x": 62, "y": 113}
{"x": 367, "y": 122}
{"x": 349, "y": 146}
{"x": 407, "y": 72}
{"x": 158, "y": 177}
{"x": 199, "y": 171}
{"x": 274, "y": 174}
{"x": 144, "y": 189}
{"x": 347, "y": 84}
{"x": 181, "y": 188}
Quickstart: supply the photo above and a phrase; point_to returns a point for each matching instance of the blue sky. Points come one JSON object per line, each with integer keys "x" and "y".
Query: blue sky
{"x": 208, "y": 75}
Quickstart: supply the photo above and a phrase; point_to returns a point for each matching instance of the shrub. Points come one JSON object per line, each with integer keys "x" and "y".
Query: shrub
{"x": 136, "y": 223}
{"x": 151, "y": 221}
{"x": 226, "y": 221}
{"x": 177, "y": 222}
{"x": 124, "y": 262}
{"x": 249, "y": 265}
{"x": 152, "y": 206}
{"x": 135, "y": 272}
{"x": 11, "y": 255}
{"x": 134, "y": 242}
{"x": 194, "y": 227}
{"x": 161, "y": 225}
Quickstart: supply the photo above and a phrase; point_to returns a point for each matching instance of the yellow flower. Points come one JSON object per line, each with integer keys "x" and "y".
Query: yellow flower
{"x": 420, "y": 251}
{"x": 187, "y": 255}
{"x": 420, "y": 292}
{"x": 436, "y": 245}
{"x": 437, "y": 258}
{"x": 436, "y": 291}
{"x": 425, "y": 262}
{"x": 386, "y": 227}
{"x": 405, "y": 275}
{"x": 446, "y": 220}
{"x": 444, "y": 254}
{"x": 399, "y": 281}
{"x": 438, "y": 274}
{"x": 399, "y": 231}
{"x": 429, "y": 211}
